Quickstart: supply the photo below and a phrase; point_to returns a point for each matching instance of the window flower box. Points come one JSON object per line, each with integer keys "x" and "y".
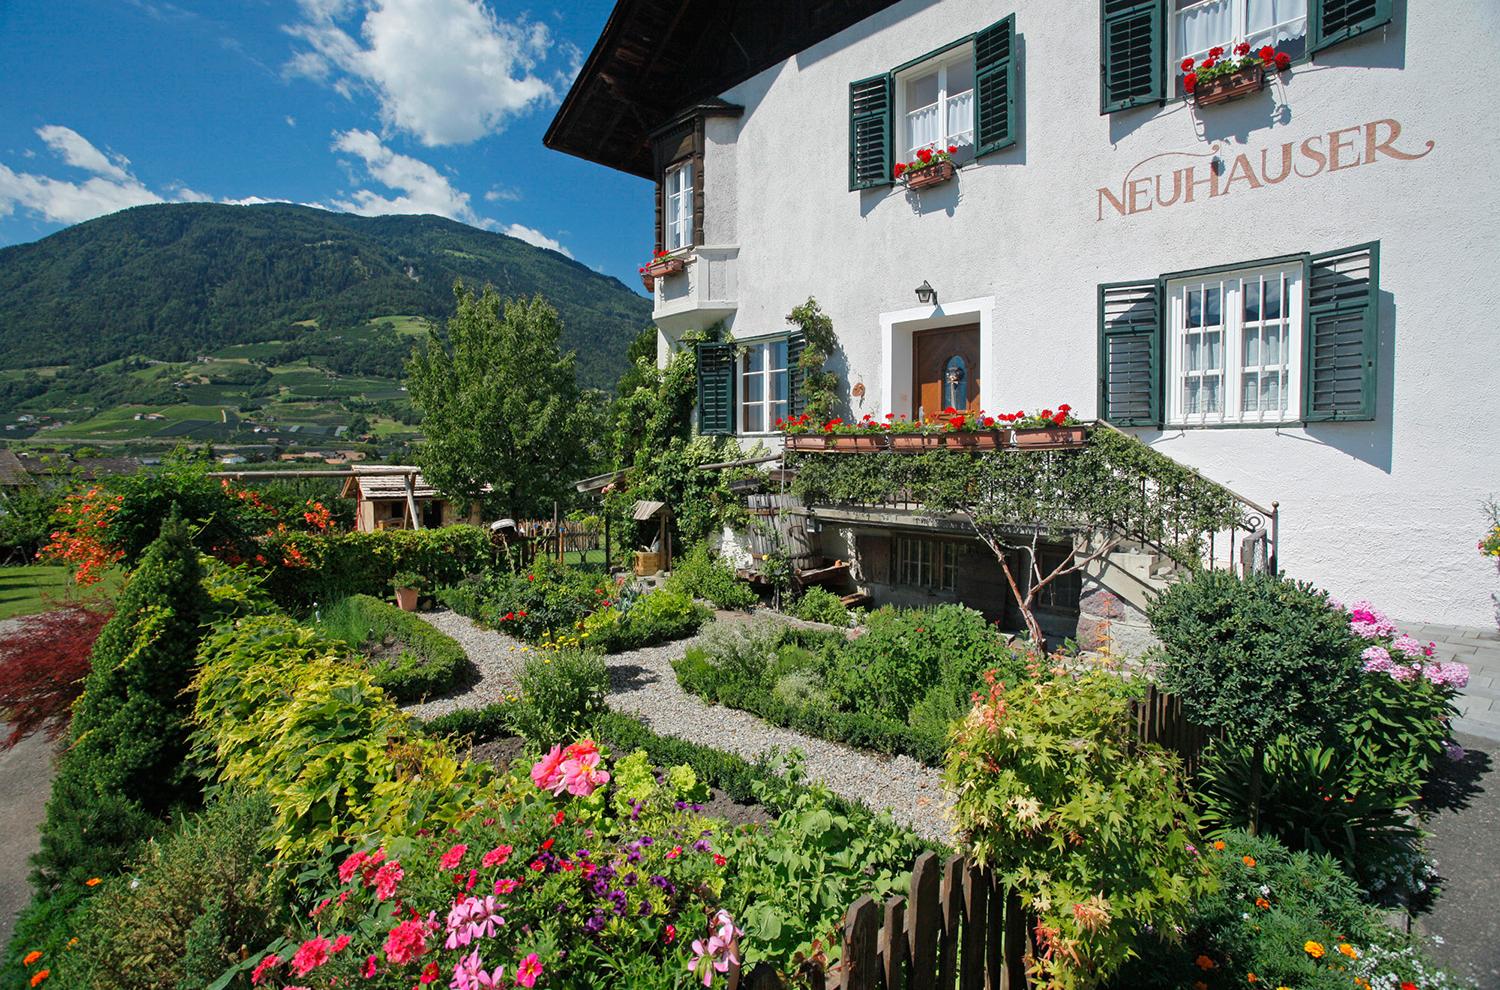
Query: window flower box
{"x": 993, "y": 439}
{"x": 932, "y": 167}
{"x": 1220, "y": 78}
{"x": 1050, "y": 437}
{"x": 915, "y": 441}
{"x": 661, "y": 265}
{"x": 843, "y": 442}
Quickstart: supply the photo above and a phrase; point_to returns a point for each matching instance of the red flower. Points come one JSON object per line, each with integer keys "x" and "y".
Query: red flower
{"x": 719, "y": 859}
{"x": 1408, "y": 985}
{"x": 956, "y": 422}
{"x": 1216, "y": 51}
{"x": 952, "y": 149}
{"x": 989, "y": 421}
{"x": 900, "y": 167}
{"x": 925, "y": 155}
{"x": 1190, "y": 82}
{"x": 1282, "y": 61}
{"x": 1209, "y": 63}
{"x": 1243, "y": 48}
{"x": 1267, "y": 54}
{"x": 1064, "y": 408}
{"x": 548, "y": 844}
{"x": 1187, "y": 65}
{"x": 429, "y": 973}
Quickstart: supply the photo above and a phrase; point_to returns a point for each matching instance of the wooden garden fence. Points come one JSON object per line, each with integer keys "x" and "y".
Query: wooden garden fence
{"x": 1159, "y": 719}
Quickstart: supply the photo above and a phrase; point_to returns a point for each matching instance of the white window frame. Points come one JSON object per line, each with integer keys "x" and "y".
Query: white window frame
{"x": 771, "y": 408}
{"x": 677, "y": 207}
{"x": 1232, "y": 411}
{"x": 926, "y": 563}
{"x": 1240, "y": 17}
{"x": 906, "y": 151}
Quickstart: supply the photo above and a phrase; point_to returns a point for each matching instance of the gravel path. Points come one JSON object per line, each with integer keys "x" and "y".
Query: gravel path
{"x": 498, "y": 659}
{"x": 25, "y": 782}
{"x": 643, "y": 683}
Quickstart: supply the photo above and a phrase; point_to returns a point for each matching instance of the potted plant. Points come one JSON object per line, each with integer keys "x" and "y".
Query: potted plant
{"x": 932, "y": 167}
{"x": 1220, "y": 78}
{"x": 409, "y": 586}
{"x": 1047, "y": 429}
{"x": 661, "y": 265}
{"x": 969, "y": 430}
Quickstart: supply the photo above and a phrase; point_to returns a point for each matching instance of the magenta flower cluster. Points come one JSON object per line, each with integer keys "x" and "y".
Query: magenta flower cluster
{"x": 1400, "y": 656}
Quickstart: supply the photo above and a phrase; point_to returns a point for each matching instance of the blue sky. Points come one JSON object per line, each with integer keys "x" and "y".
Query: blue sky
{"x": 367, "y": 106}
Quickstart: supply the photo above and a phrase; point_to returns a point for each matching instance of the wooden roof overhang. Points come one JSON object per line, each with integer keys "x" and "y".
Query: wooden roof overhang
{"x": 659, "y": 59}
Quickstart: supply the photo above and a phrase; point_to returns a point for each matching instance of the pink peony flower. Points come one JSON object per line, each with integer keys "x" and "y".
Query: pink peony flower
{"x": 386, "y": 879}
{"x": 496, "y": 856}
{"x": 528, "y": 971}
{"x": 546, "y": 773}
{"x": 406, "y": 942}
{"x": 310, "y": 955}
{"x": 453, "y": 856}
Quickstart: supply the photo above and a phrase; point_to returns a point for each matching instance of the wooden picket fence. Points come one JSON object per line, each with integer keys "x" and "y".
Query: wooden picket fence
{"x": 1159, "y": 719}
{"x": 956, "y": 928}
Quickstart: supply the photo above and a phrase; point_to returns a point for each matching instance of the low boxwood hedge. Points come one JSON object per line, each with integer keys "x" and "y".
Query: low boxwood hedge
{"x": 430, "y": 662}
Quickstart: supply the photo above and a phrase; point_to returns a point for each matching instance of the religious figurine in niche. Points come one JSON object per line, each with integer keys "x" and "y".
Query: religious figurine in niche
{"x": 955, "y": 384}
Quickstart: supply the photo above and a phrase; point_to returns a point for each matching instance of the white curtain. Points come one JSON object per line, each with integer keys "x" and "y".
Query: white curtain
{"x": 1204, "y": 25}
{"x": 1271, "y": 22}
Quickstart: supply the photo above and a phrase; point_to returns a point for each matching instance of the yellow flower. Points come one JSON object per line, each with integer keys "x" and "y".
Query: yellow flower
{"x": 1313, "y": 949}
{"x": 1348, "y": 950}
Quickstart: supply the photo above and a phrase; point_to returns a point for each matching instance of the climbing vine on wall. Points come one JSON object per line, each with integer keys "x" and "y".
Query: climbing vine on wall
{"x": 818, "y": 385}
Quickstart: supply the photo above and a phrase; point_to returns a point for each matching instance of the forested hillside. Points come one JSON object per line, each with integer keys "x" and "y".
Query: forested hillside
{"x": 173, "y": 281}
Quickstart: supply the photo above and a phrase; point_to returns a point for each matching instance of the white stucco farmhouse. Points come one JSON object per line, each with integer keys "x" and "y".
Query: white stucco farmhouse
{"x": 1285, "y": 278}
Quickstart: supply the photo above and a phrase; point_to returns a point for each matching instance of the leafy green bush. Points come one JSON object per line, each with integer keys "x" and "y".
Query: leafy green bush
{"x": 1293, "y": 919}
{"x": 478, "y": 724}
{"x": 632, "y": 623}
{"x": 318, "y": 568}
{"x": 282, "y": 709}
{"x": 1094, "y": 832}
{"x": 429, "y": 662}
{"x": 818, "y": 604}
{"x": 1261, "y": 657}
{"x": 561, "y": 693}
{"x": 126, "y": 765}
{"x": 549, "y": 600}
{"x": 44, "y": 926}
{"x": 173, "y": 923}
{"x": 699, "y": 574}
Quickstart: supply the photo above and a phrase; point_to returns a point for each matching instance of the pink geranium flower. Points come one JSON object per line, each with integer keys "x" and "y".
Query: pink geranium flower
{"x": 349, "y": 867}
{"x": 310, "y": 955}
{"x": 546, "y": 773}
{"x": 469, "y": 974}
{"x": 386, "y": 879}
{"x": 496, "y": 856}
{"x": 268, "y": 963}
{"x": 471, "y": 918}
{"x": 581, "y": 775}
{"x": 406, "y": 942}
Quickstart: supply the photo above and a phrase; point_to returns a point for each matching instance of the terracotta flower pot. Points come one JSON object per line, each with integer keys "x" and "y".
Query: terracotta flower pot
{"x": 975, "y": 439}
{"x": 1231, "y": 87}
{"x": 406, "y": 599}
{"x": 932, "y": 175}
{"x": 914, "y": 441}
{"x": 649, "y": 281}
{"x": 1050, "y": 437}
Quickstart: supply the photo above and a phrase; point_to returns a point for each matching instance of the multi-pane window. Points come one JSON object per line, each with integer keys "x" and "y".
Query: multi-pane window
{"x": 677, "y": 211}
{"x": 1063, "y": 593}
{"x": 922, "y": 563}
{"x": 1230, "y": 356}
{"x": 1199, "y": 25}
{"x": 763, "y": 385}
{"x": 937, "y": 104}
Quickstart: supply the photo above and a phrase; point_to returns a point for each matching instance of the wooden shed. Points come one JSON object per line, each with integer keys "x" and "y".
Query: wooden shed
{"x": 397, "y": 497}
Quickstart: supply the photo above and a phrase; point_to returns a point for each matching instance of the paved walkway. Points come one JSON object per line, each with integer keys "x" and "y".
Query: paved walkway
{"x": 25, "y": 782}
{"x": 1479, "y": 703}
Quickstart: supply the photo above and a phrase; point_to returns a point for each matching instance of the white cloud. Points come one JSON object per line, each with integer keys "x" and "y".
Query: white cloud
{"x": 502, "y": 193}
{"x": 533, "y": 236}
{"x": 76, "y": 151}
{"x": 445, "y": 71}
{"x": 424, "y": 189}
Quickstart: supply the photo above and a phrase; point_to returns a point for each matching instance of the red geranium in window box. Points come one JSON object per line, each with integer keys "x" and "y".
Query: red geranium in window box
{"x": 661, "y": 265}
{"x": 931, "y": 167}
{"x": 1222, "y": 76}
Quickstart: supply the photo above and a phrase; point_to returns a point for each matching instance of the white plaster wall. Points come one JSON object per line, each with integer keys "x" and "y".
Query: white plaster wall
{"x": 1387, "y": 510}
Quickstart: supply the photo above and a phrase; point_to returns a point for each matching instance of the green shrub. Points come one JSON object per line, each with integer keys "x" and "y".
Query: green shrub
{"x": 1262, "y": 657}
{"x": 282, "y": 709}
{"x": 126, "y": 765}
{"x": 1093, "y": 831}
{"x": 549, "y": 600}
{"x": 341, "y": 563}
{"x": 656, "y": 617}
{"x": 172, "y": 923}
{"x": 46, "y": 925}
{"x": 430, "y": 662}
{"x": 818, "y": 604}
{"x": 562, "y": 691}
{"x": 478, "y": 724}
{"x": 700, "y": 574}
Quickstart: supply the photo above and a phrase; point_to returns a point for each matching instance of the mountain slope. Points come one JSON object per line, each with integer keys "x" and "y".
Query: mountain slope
{"x": 173, "y": 280}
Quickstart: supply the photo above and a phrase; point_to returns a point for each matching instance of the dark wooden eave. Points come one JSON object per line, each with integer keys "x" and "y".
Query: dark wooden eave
{"x": 657, "y": 59}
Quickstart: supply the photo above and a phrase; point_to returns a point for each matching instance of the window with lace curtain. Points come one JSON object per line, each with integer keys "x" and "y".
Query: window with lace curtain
{"x": 936, "y": 105}
{"x": 1198, "y": 25}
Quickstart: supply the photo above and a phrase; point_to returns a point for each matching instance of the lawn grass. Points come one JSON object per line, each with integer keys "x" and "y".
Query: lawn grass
{"x": 31, "y": 588}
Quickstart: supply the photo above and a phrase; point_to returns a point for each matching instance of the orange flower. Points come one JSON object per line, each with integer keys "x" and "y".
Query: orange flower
{"x": 1219, "y": 845}
{"x": 92, "y": 882}
{"x": 31, "y": 957}
{"x": 1251, "y": 978}
{"x": 1313, "y": 949}
{"x": 1248, "y": 860}
{"x": 1200, "y": 985}
{"x": 39, "y": 976}
{"x": 1205, "y": 963}
{"x": 1348, "y": 950}
{"x": 1262, "y": 903}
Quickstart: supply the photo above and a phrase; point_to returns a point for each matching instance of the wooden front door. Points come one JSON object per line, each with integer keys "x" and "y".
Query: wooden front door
{"x": 945, "y": 370}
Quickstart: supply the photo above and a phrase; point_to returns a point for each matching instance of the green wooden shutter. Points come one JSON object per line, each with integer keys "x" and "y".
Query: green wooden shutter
{"x": 716, "y": 389}
{"x": 796, "y": 343}
{"x": 870, "y": 132}
{"x": 1333, "y": 21}
{"x": 995, "y": 86}
{"x": 1130, "y": 316}
{"x": 1132, "y": 53}
{"x": 1342, "y": 334}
